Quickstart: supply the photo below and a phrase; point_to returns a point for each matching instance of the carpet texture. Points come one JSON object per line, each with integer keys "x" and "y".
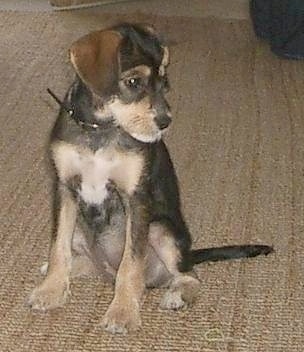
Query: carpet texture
{"x": 238, "y": 145}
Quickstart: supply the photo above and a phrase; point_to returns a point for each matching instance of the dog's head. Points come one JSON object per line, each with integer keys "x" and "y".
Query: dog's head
{"x": 125, "y": 69}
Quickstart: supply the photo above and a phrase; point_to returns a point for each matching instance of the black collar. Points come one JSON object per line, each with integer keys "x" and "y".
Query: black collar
{"x": 107, "y": 122}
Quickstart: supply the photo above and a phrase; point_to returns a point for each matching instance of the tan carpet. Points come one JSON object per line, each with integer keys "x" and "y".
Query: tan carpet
{"x": 238, "y": 145}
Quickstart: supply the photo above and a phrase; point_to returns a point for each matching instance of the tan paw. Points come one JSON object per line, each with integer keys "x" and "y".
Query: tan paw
{"x": 172, "y": 300}
{"x": 48, "y": 295}
{"x": 122, "y": 318}
{"x": 182, "y": 292}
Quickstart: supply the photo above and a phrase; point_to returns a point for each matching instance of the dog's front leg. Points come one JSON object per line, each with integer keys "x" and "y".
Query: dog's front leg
{"x": 53, "y": 291}
{"x": 123, "y": 314}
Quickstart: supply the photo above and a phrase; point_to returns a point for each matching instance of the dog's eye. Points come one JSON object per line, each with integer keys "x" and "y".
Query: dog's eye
{"x": 133, "y": 83}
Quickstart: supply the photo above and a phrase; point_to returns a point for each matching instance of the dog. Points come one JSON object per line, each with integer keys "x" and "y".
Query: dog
{"x": 118, "y": 206}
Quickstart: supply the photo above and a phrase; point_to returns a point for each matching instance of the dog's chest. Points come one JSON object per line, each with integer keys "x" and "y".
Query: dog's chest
{"x": 95, "y": 169}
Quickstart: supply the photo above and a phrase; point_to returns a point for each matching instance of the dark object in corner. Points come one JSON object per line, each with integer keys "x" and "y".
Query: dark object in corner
{"x": 281, "y": 22}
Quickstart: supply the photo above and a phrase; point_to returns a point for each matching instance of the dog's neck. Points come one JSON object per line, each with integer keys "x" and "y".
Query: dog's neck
{"x": 74, "y": 105}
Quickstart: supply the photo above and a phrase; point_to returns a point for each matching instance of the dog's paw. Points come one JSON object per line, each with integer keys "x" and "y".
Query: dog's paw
{"x": 122, "y": 318}
{"x": 182, "y": 293}
{"x": 48, "y": 296}
{"x": 172, "y": 300}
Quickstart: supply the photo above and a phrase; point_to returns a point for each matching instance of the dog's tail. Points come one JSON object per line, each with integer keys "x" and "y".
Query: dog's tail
{"x": 228, "y": 252}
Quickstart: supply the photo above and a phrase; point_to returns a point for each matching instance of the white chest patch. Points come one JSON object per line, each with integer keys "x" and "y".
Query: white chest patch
{"x": 97, "y": 169}
{"x": 95, "y": 172}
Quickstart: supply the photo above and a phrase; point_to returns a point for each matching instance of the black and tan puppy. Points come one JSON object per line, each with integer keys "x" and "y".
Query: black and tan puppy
{"x": 119, "y": 209}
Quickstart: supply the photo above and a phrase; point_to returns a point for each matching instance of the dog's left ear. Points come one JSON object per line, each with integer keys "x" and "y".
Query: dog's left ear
{"x": 95, "y": 58}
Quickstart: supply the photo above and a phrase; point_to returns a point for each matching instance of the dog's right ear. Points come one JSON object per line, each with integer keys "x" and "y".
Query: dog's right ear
{"x": 95, "y": 58}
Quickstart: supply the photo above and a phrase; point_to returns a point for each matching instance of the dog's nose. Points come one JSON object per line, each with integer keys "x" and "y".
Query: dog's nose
{"x": 162, "y": 121}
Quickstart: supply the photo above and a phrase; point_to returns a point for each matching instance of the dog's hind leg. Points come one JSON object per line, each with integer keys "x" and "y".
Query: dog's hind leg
{"x": 182, "y": 287}
{"x": 82, "y": 265}
{"x": 81, "y": 262}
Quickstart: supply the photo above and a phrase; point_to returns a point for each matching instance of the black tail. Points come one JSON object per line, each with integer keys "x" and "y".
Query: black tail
{"x": 228, "y": 252}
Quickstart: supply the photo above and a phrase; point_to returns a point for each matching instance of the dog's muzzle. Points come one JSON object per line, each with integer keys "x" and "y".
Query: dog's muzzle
{"x": 162, "y": 121}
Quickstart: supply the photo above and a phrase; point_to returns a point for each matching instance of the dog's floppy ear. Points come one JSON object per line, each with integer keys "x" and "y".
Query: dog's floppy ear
{"x": 95, "y": 58}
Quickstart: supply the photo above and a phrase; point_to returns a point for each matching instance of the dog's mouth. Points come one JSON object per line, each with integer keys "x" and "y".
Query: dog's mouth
{"x": 138, "y": 119}
{"x": 154, "y": 135}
